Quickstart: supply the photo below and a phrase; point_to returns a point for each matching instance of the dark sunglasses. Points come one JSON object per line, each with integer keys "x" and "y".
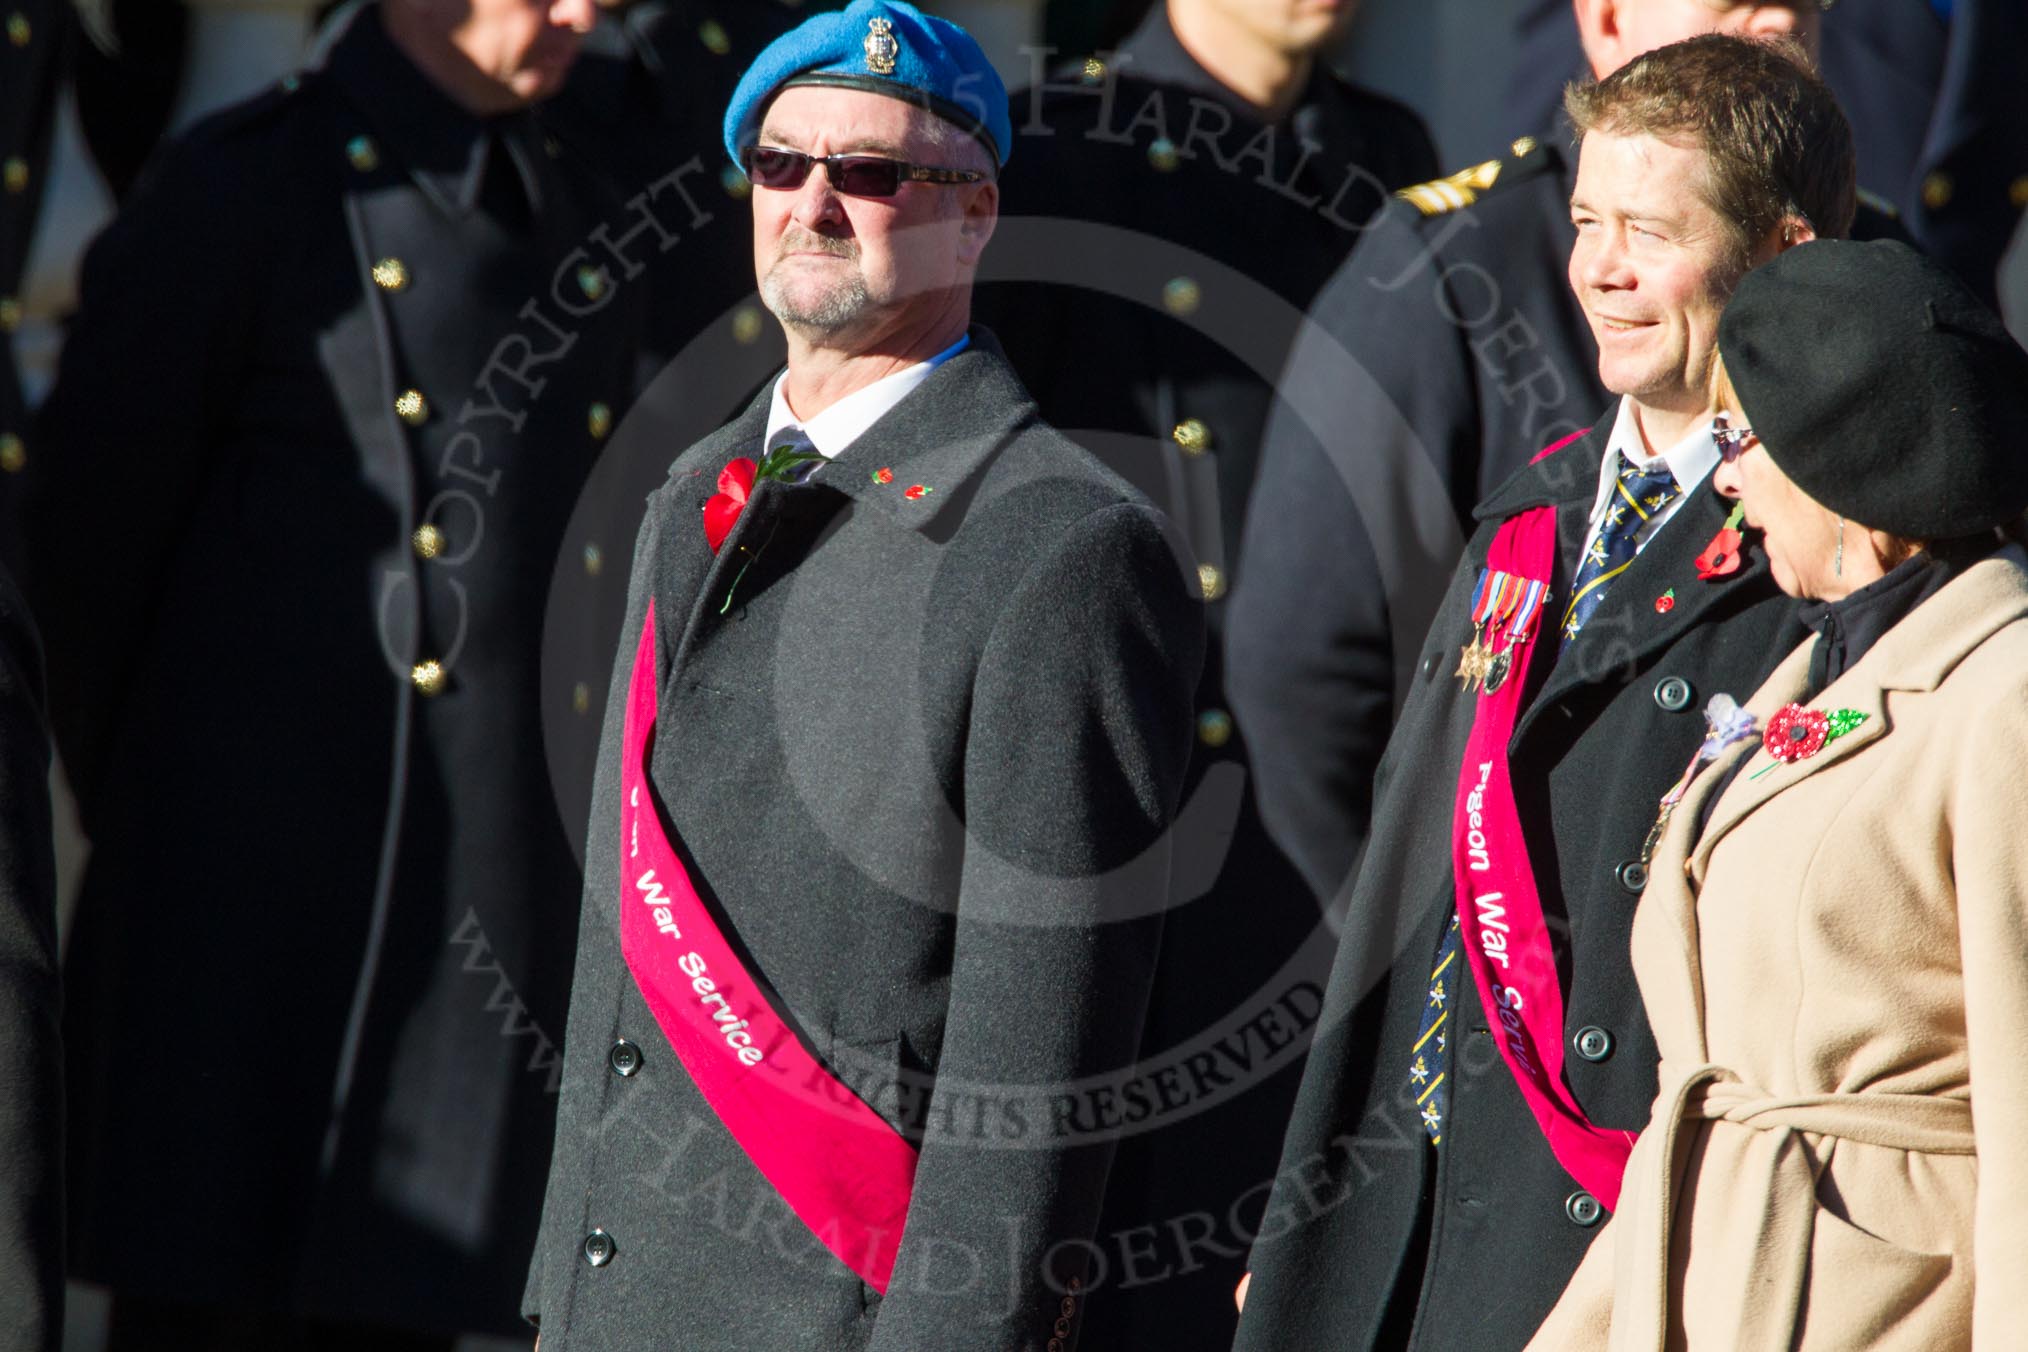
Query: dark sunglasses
{"x": 852, "y": 175}
{"x": 1731, "y": 440}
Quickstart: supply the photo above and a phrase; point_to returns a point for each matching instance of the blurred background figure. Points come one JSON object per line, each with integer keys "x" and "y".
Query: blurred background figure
{"x": 337, "y": 370}
{"x": 1174, "y": 205}
{"x": 31, "y": 1063}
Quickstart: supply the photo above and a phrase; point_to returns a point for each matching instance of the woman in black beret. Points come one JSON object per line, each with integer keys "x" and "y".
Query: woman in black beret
{"x": 1833, "y": 949}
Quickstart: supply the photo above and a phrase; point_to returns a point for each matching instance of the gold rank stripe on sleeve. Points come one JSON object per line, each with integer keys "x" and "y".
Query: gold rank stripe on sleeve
{"x": 1456, "y": 190}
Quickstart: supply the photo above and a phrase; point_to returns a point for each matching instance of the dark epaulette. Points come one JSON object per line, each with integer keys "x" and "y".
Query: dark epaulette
{"x": 1529, "y": 158}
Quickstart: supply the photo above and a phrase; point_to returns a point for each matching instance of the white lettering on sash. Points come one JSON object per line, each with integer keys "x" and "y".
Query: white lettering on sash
{"x": 730, "y": 1026}
{"x": 1509, "y": 1002}
{"x": 1492, "y": 929}
{"x": 1475, "y": 838}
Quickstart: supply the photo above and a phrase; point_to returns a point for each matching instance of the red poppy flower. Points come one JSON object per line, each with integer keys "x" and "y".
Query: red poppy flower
{"x": 1666, "y": 602}
{"x": 722, "y": 509}
{"x": 914, "y": 492}
{"x": 1721, "y": 556}
{"x": 883, "y": 475}
{"x": 1795, "y": 733}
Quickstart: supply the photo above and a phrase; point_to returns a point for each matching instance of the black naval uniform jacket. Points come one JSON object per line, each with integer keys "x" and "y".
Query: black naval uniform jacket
{"x": 338, "y": 371}
{"x": 1208, "y": 231}
{"x": 31, "y": 1065}
{"x": 922, "y": 766}
{"x": 1370, "y": 1230}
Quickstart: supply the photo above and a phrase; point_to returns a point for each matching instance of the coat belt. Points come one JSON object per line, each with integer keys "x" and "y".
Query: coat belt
{"x": 1920, "y": 1123}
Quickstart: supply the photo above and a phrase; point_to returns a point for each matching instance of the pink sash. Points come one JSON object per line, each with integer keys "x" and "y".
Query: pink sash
{"x": 1505, "y": 941}
{"x": 838, "y": 1164}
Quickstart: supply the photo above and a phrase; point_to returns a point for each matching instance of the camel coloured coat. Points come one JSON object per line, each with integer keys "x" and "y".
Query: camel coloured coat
{"x": 1836, "y": 968}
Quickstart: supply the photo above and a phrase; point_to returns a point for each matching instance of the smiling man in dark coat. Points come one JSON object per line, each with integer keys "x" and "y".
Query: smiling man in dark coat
{"x": 1484, "y": 1058}
{"x": 877, "y": 851}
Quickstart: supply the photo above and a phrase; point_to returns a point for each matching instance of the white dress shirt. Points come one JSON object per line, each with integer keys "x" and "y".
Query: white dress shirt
{"x": 837, "y": 427}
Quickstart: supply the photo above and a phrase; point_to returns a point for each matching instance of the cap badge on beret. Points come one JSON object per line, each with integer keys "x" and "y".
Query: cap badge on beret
{"x": 881, "y": 48}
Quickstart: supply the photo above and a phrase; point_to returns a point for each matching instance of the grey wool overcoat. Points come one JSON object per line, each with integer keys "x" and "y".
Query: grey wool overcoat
{"x": 922, "y": 725}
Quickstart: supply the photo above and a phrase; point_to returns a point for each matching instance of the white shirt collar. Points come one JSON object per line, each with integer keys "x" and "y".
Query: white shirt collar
{"x": 1689, "y": 460}
{"x": 837, "y": 427}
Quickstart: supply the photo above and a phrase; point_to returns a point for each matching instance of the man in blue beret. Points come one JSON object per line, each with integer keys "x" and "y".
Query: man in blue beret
{"x": 878, "y": 844}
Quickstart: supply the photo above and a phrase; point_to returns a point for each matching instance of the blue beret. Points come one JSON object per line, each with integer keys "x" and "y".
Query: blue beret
{"x": 883, "y": 47}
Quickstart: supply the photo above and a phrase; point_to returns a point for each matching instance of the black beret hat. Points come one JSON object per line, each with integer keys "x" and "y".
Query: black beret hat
{"x": 1882, "y": 387}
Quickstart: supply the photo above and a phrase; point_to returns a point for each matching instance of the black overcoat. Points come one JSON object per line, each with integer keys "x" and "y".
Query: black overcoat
{"x": 31, "y": 1067}
{"x": 1370, "y": 1231}
{"x": 923, "y": 762}
{"x": 318, "y": 979}
{"x": 1162, "y": 240}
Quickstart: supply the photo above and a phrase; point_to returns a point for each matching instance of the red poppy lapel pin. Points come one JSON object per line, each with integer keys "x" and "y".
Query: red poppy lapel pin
{"x": 1721, "y": 557}
{"x": 1795, "y": 733}
{"x": 735, "y": 486}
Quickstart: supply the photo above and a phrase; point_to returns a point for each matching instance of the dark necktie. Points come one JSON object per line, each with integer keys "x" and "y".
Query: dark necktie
{"x": 1637, "y": 496}
{"x": 1432, "y": 1036}
{"x": 795, "y": 440}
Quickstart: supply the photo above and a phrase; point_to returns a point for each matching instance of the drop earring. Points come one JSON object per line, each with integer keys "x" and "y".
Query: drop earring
{"x": 1838, "y": 559}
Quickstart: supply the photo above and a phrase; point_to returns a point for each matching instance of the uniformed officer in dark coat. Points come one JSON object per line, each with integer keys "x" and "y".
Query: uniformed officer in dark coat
{"x": 338, "y": 372}
{"x": 34, "y": 37}
{"x": 897, "y": 731}
{"x": 1446, "y": 352}
{"x": 1419, "y": 1203}
{"x": 31, "y": 1066}
{"x": 1171, "y": 214}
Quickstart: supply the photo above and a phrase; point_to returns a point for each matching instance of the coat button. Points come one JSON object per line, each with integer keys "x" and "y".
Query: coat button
{"x": 1430, "y": 665}
{"x": 1583, "y": 1209}
{"x": 714, "y": 37}
{"x": 1210, "y": 581}
{"x": 1164, "y": 156}
{"x": 1192, "y": 436}
{"x": 624, "y": 1058}
{"x": 412, "y": 408}
{"x": 591, "y": 281}
{"x": 428, "y": 540}
{"x": 391, "y": 274}
{"x": 1674, "y": 694}
{"x": 1062, "y": 1329}
{"x": 1937, "y": 190}
{"x": 15, "y": 173}
{"x": 598, "y": 420}
{"x": 1633, "y": 876}
{"x": 10, "y": 313}
{"x": 599, "y": 1247}
{"x": 363, "y": 154}
{"x": 429, "y": 677}
{"x": 13, "y": 453}
{"x": 1593, "y": 1043}
{"x": 1181, "y": 296}
{"x": 19, "y": 30}
{"x": 1214, "y": 728}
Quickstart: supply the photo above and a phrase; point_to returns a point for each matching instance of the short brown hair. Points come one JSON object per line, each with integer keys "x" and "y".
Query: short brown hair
{"x": 1777, "y": 143}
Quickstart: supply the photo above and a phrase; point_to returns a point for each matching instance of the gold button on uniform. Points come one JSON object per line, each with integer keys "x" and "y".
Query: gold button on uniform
{"x": 412, "y": 408}
{"x": 1211, "y": 581}
{"x": 428, "y": 541}
{"x": 580, "y": 698}
{"x": 364, "y": 155}
{"x": 746, "y": 325}
{"x": 591, "y": 281}
{"x": 736, "y": 184}
{"x": 1182, "y": 296}
{"x": 2017, "y": 192}
{"x": 599, "y": 420}
{"x": 1523, "y": 145}
{"x": 10, "y": 314}
{"x": 1162, "y": 153}
{"x": 13, "y": 453}
{"x": 391, "y": 274}
{"x": 1214, "y": 728}
{"x": 429, "y": 677}
{"x": 1937, "y": 190}
{"x": 1192, "y": 435}
{"x": 19, "y": 30}
{"x": 594, "y": 560}
{"x": 14, "y": 173}
{"x": 1094, "y": 70}
{"x": 714, "y": 37}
